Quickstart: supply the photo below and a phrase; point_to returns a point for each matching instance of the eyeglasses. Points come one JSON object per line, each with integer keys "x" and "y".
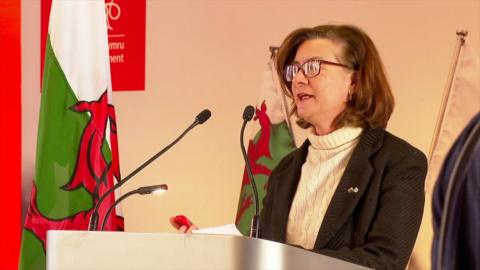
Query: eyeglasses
{"x": 310, "y": 69}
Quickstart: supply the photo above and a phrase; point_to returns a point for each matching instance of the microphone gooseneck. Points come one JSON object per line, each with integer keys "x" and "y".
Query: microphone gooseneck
{"x": 247, "y": 116}
{"x": 200, "y": 119}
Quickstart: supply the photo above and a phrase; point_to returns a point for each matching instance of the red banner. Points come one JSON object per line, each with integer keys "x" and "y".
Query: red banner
{"x": 126, "y": 40}
{"x": 10, "y": 135}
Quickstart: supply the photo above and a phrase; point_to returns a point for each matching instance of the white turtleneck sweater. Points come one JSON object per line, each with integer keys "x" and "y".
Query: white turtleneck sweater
{"x": 326, "y": 161}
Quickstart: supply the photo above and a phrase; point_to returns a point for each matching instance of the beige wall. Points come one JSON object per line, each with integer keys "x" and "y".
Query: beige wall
{"x": 211, "y": 54}
{"x": 30, "y": 27}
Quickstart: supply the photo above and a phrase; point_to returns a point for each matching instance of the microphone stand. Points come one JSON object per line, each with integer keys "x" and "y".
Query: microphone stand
{"x": 200, "y": 119}
{"x": 247, "y": 116}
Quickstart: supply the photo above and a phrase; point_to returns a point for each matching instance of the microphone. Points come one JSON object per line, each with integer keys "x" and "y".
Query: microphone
{"x": 142, "y": 191}
{"x": 248, "y": 113}
{"x": 247, "y": 116}
{"x": 203, "y": 116}
{"x": 199, "y": 119}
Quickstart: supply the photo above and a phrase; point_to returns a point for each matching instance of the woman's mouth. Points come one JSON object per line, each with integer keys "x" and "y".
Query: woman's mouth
{"x": 303, "y": 96}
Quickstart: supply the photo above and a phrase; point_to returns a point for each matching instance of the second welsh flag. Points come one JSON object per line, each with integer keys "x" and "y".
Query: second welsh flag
{"x": 272, "y": 138}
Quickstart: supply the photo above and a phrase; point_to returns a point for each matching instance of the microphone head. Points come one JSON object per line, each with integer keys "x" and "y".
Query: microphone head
{"x": 248, "y": 113}
{"x": 203, "y": 116}
{"x": 152, "y": 189}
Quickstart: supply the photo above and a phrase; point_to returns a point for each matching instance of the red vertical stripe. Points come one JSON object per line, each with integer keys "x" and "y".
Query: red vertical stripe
{"x": 10, "y": 133}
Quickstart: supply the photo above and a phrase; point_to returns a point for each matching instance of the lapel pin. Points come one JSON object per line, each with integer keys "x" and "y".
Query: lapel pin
{"x": 352, "y": 190}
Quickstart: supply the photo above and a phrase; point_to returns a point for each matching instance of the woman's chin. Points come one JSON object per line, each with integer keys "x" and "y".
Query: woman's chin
{"x": 303, "y": 115}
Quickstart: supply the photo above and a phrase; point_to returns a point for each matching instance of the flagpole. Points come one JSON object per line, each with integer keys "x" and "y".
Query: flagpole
{"x": 461, "y": 37}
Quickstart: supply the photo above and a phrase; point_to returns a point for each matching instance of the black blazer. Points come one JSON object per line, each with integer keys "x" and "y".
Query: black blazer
{"x": 375, "y": 226}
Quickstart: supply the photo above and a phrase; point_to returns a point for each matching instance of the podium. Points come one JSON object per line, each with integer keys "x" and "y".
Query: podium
{"x": 127, "y": 250}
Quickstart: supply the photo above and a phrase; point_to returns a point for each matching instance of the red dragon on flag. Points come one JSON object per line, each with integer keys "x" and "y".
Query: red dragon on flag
{"x": 92, "y": 172}
{"x": 256, "y": 150}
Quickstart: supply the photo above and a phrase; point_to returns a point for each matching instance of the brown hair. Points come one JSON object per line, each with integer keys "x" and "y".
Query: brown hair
{"x": 371, "y": 103}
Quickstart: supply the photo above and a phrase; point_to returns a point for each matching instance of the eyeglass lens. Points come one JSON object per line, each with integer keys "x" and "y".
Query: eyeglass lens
{"x": 310, "y": 69}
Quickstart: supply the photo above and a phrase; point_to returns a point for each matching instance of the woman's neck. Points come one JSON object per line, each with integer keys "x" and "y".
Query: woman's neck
{"x": 324, "y": 129}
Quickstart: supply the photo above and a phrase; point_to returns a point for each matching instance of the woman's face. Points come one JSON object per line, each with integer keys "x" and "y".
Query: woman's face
{"x": 322, "y": 98}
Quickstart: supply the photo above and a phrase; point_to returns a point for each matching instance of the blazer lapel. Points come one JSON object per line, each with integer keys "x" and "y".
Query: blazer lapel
{"x": 354, "y": 181}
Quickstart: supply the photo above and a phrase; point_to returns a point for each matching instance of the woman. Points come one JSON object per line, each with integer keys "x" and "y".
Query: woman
{"x": 353, "y": 190}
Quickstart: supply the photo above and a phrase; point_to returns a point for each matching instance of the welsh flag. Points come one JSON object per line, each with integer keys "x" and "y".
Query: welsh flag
{"x": 272, "y": 138}
{"x": 77, "y": 149}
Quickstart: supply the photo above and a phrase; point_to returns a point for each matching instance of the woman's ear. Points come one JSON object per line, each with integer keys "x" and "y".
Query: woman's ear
{"x": 353, "y": 80}
{"x": 353, "y": 84}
